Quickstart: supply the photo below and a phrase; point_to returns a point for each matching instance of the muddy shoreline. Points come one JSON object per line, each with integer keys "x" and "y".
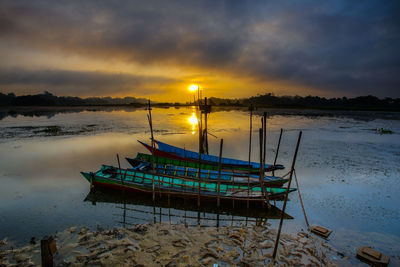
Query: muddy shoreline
{"x": 177, "y": 245}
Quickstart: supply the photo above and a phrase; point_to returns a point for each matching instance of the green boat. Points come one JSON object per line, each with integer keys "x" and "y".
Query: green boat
{"x": 195, "y": 165}
{"x": 143, "y": 182}
{"x": 206, "y": 175}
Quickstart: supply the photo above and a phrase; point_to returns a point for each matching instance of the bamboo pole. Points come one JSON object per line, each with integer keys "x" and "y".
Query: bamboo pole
{"x": 260, "y": 132}
{"x": 277, "y": 152}
{"x": 286, "y": 198}
{"x": 152, "y": 148}
{"x": 264, "y": 155}
{"x": 219, "y": 171}
{"x": 251, "y": 108}
{"x": 264, "y": 136}
{"x": 233, "y": 191}
{"x": 200, "y": 150}
{"x": 301, "y": 200}
{"x": 119, "y": 168}
{"x": 205, "y": 137}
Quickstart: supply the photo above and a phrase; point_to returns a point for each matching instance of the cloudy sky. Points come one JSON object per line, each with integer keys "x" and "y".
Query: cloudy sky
{"x": 231, "y": 48}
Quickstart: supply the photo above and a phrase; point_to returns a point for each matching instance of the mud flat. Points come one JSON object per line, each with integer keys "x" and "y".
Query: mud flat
{"x": 168, "y": 245}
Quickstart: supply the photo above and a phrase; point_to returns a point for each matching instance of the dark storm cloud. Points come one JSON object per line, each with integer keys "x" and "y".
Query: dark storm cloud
{"x": 78, "y": 82}
{"x": 347, "y": 47}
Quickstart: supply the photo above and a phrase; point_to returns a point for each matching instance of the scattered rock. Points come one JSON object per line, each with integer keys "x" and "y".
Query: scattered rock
{"x": 3, "y": 242}
{"x": 153, "y": 249}
{"x": 83, "y": 231}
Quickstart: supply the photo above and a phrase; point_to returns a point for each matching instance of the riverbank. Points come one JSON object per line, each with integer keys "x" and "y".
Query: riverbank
{"x": 176, "y": 245}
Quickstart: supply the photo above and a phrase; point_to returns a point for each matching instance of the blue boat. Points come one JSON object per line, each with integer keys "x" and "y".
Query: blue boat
{"x": 210, "y": 158}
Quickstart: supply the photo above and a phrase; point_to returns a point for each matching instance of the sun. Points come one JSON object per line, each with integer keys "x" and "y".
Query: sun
{"x": 193, "y": 87}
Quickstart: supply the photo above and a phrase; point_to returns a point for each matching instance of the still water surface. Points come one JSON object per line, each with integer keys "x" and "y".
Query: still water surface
{"x": 348, "y": 173}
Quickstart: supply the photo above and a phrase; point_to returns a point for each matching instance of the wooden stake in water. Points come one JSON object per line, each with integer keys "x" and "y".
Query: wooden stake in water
{"x": 286, "y": 197}
{"x": 152, "y": 148}
{"x": 200, "y": 151}
{"x": 260, "y": 132}
{"x": 251, "y": 108}
{"x": 264, "y": 155}
{"x": 277, "y": 152}
{"x": 219, "y": 171}
{"x": 205, "y": 136}
{"x": 119, "y": 168}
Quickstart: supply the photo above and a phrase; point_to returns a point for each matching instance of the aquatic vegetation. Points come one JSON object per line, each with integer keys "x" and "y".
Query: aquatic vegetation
{"x": 52, "y": 129}
{"x": 384, "y": 131}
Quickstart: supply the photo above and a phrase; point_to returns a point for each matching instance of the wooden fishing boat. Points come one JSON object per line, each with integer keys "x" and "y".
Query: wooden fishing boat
{"x": 168, "y": 151}
{"x": 226, "y": 177}
{"x": 147, "y": 183}
{"x": 195, "y": 164}
{"x": 210, "y": 158}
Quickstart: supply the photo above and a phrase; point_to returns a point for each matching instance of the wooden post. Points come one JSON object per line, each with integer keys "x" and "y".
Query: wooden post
{"x": 276, "y": 152}
{"x": 205, "y": 136}
{"x": 169, "y": 191}
{"x": 48, "y": 247}
{"x": 266, "y": 195}
{"x": 119, "y": 168}
{"x": 152, "y": 148}
{"x": 200, "y": 151}
{"x": 124, "y": 215}
{"x": 251, "y": 108}
{"x": 265, "y": 137}
{"x": 260, "y": 170}
{"x": 233, "y": 192}
{"x": 286, "y": 198}
{"x": 219, "y": 171}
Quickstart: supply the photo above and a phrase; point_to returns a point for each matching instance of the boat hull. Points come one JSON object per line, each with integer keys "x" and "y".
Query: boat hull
{"x": 140, "y": 182}
{"x": 209, "y": 175}
{"x": 240, "y": 168}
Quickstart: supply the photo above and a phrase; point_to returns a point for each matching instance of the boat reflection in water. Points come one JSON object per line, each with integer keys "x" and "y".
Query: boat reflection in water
{"x": 143, "y": 209}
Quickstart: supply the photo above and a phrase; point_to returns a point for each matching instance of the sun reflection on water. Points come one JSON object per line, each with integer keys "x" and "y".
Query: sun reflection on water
{"x": 193, "y": 121}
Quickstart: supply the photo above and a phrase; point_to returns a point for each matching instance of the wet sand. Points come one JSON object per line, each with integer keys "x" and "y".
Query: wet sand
{"x": 179, "y": 245}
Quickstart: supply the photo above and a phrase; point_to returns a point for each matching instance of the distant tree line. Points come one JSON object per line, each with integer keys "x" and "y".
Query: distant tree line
{"x": 48, "y": 99}
{"x": 267, "y": 100}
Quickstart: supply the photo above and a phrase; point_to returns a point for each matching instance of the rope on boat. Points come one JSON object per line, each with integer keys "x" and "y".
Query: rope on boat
{"x": 301, "y": 200}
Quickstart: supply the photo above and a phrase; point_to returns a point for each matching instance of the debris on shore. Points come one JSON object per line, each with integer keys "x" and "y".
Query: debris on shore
{"x": 175, "y": 245}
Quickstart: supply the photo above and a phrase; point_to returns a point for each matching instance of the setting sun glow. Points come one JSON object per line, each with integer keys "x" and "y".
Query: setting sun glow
{"x": 193, "y": 87}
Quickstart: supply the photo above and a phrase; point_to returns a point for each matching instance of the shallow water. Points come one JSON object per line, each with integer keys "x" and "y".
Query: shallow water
{"x": 348, "y": 172}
